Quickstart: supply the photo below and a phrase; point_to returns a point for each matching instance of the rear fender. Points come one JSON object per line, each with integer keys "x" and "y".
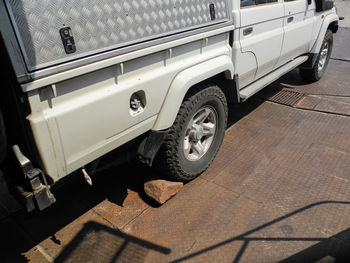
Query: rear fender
{"x": 184, "y": 81}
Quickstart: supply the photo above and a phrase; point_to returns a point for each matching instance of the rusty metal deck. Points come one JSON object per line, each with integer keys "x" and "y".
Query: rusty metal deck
{"x": 278, "y": 191}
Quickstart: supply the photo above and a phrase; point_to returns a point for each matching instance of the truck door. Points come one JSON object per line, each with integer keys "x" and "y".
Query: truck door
{"x": 298, "y": 25}
{"x": 261, "y": 32}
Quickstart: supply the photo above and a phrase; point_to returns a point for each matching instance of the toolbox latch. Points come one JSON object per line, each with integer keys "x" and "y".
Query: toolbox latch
{"x": 68, "y": 40}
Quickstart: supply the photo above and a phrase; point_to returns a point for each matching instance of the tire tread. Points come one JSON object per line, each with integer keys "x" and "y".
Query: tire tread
{"x": 167, "y": 160}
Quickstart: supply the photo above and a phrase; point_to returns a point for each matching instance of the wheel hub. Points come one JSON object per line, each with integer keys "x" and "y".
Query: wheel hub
{"x": 196, "y": 133}
{"x": 323, "y": 57}
{"x": 200, "y": 133}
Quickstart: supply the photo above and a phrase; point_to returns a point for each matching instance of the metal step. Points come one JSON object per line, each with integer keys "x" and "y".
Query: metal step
{"x": 258, "y": 85}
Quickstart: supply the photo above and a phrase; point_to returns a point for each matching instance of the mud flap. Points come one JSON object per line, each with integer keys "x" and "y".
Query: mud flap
{"x": 150, "y": 145}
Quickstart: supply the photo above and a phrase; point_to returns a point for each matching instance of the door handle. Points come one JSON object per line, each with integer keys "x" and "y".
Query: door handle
{"x": 247, "y": 31}
{"x": 290, "y": 19}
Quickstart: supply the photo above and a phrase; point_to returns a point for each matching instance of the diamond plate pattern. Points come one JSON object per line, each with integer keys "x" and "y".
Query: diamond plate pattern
{"x": 100, "y": 25}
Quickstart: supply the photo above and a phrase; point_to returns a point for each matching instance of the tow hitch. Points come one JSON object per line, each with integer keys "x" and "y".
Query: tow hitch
{"x": 36, "y": 192}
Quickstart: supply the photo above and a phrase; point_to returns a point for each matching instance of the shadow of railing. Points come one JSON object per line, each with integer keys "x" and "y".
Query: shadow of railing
{"x": 100, "y": 243}
{"x": 337, "y": 246}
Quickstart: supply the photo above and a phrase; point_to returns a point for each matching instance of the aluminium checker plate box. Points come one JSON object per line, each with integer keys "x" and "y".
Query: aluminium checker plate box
{"x": 103, "y": 25}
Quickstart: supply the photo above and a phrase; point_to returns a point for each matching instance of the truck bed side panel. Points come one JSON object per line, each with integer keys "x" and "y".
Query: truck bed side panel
{"x": 78, "y": 120}
{"x": 102, "y": 25}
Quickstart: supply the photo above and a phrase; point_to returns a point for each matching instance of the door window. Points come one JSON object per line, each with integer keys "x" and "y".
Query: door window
{"x": 245, "y": 3}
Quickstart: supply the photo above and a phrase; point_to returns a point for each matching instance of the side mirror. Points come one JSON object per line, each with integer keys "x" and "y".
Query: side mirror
{"x": 328, "y": 5}
{"x": 309, "y": 2}
{"x": 323, "y": 5}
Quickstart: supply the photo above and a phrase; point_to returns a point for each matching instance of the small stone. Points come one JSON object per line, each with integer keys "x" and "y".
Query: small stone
{"x": 161, "y": 190}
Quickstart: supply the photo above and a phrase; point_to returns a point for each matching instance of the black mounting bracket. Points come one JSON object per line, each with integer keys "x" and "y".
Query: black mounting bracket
{"x": 36, "y": 192}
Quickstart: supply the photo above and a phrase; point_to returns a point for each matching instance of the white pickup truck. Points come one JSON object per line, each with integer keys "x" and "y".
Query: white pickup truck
{"x": 82, "y": 78}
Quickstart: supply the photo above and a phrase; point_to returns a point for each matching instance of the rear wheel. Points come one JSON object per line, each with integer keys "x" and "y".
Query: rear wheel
{"x": 196, "y": 135}
{"x": 316, "y": 73}
{"x": 3, "y": 144}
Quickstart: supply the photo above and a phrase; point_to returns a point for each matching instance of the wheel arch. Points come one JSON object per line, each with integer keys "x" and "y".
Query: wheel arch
{"x": 329, "y": 22}
{"x": 334, "y": 26}
{"x": 216, "y": 70}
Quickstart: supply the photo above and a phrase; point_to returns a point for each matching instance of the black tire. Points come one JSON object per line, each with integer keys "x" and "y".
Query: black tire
{"x": 171, "y": 159}
{"x": 3, "y": 140}
{"x": 315, "y": 74}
